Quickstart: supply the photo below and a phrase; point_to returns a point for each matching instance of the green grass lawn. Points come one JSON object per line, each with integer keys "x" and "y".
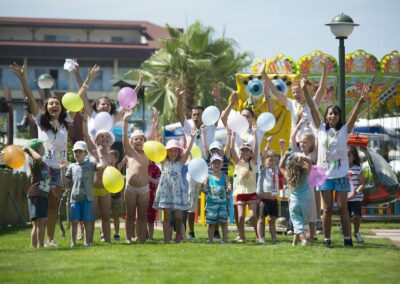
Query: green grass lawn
{"x": 377, "y": 260}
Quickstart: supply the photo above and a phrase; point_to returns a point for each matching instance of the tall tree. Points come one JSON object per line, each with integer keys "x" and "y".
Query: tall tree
{"x": 196, "y": 59}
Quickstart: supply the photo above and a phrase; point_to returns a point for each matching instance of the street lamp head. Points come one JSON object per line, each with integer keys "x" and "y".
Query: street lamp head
{"x": 342, "y": 26}
{"x": 45, "y": 81}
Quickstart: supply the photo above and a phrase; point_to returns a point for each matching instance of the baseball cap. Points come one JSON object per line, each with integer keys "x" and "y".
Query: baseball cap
{"x": 216, "y": 145}
{"x": 137, "y": 132}
{"x": 80, "y": 145}
{"x": 34, "y": 144}
{"x": 216, "y": 157}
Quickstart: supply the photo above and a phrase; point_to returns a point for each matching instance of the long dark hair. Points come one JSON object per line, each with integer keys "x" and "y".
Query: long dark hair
{"x": 96, "y": 103}
{"x": 45, "y": 118}
{"x": 337, "y": 110}
{"x": 354, "y": 152}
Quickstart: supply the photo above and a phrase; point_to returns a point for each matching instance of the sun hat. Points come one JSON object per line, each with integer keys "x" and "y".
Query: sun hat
{"x": 216, "y": 145}
{"x": 173, "y": 143}
{"x": 34, "y": 144}
{"x": 103, "y": 131}
{"x": 80, "y": 145}
{"x": 136, "y": 133}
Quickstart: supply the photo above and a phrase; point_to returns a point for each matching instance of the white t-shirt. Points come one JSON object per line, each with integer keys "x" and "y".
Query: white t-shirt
{"x": 55, "y": 144}
{"x": 295, "y": 110}
{"x": 210, "y": 134}
{"x": 91, "y": 128}
{"x": 332, "y": 151}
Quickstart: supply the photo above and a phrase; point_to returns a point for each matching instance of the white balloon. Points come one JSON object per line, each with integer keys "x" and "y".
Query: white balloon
{"x": 210, "y": 115}
{"x": 237, "y": 123}
{"x": 266, "y": 121}
{"x": 198, "y": 170}
{"x": 103, "y": 120}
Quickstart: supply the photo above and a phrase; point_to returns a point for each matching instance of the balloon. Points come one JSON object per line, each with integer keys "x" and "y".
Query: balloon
{"x": 14, "y": 157}
{"x": 195, "y": 152}
{"x": 266, "y": 121}
{"x": 237, "y": 123}
{"x": 72, "y": 102}
{"x": 113, "y": 180}
{"x": 255, "y": 88}
{"x": 210, "y": 115}
{"x": 155, "y": 151}
{"x": 198, "y": 170}
{"x": 127, "y": 97}
{"x": 103, "y": 120}
{"x": 317, "y": 176}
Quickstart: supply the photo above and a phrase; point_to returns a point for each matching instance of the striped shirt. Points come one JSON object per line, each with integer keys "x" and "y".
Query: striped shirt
{"x": 354, "y": 173}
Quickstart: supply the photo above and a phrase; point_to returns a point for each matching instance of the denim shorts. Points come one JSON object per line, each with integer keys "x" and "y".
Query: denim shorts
{"x": 82, "y": 211}
{"x": 55, "y": 176}
{"x": 338, "y": 184}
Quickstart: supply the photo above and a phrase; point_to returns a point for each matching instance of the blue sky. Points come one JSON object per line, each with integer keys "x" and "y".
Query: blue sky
{"x": 264, "y": 28}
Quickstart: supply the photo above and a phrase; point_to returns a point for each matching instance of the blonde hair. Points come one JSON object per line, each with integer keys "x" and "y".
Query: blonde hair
{"x": 296, "y": 172}
{"x": 311, "y": 138}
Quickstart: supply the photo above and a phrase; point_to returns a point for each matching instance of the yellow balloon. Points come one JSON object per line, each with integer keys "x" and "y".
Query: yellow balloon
{"x": 113, "y": 180}
{"x": 72, "y": 102}
{"x": 155, "y": 151}
{"x": 195, "y": 152}
{"x": 14, "y": 157}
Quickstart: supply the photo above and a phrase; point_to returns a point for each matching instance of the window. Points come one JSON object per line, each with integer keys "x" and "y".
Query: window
{"x": 50, "y": 37}
{"x": 117, "y": 39}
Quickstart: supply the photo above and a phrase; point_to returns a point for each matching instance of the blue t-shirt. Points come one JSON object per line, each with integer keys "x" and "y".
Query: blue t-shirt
{"x": 216, "y": 189}
{"x": 82, "y": 176}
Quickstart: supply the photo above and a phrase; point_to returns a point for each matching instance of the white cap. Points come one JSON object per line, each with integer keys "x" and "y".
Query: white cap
{"x": 103, "y": 131}
{"x": 80, "y": 145}
{"x": 137, "y": 132}
{"x": 216, "y": 145}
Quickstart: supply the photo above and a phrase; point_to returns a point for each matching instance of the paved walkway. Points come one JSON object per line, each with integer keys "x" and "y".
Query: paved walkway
{"x": 393, "y": 235}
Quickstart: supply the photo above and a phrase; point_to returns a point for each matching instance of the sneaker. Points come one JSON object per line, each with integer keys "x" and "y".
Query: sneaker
{"x": 240, "y": 241}
{"x": 304, "y": 242}
{"x": 116, "y": 237}
{"x": 358, "y": 238}
{"x": 327, "y": 243}
{"x": 52, "y": 244}
{"x": 348, "y": 242}
{"x": 102, "y": 238}
{"x": 72, "y": 246}
{"x": 289, "y": 232}
{"x": 261, "y": 241}
{"x": 191, "y": 236}
{"x": 85, "y": 244}
{"x": 216, "y": 235}
{"x": 179, "y": 240}
{"x": 319, "y": 230}
{"x": 237, "y": 238}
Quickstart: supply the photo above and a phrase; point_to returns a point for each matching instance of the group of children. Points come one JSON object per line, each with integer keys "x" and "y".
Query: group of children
{"x": 167, "y": 186}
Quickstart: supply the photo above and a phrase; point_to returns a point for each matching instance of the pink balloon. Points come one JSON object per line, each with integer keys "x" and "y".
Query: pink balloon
{"x": 317, "y": 176}
{"x": 127, "y": 97}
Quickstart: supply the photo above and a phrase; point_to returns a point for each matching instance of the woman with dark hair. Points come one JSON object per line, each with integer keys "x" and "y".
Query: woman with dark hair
{"x": 332, "y": 156}
{"x": 52, "y": 123}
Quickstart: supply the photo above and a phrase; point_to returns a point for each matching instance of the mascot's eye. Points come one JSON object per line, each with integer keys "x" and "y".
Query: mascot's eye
{"x": 245, "y": 82}
{"x": 250, "y": 77}
{"x": 281, "y": 86}
{"x": 255, "y": 88}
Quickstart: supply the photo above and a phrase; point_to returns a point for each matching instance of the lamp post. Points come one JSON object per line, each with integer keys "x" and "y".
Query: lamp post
{"x": 342, "y": 27}
{"x": 46, "y": 82}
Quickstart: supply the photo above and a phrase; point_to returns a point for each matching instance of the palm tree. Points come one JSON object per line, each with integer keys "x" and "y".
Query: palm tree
{"x": 195, "y": 59}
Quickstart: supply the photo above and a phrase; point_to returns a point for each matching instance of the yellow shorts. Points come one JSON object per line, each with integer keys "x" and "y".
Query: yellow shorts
{"x": 100, "y": 191}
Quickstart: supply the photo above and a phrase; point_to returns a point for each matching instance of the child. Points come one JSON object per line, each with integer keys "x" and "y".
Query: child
{"x": 296, "y": 171}
{"x": 245, "y": 186}
{"x": 215, "y": 188}
{"x": 170, "y": 193}
{"x": 267, "y": 191}
{"x": 308, "y": 149}
{"x": 81, "y": 174}
{"x": 116, "y": 198}
{"x": 333, "y": 134}
{"x": 355, "y": 196}
{"x": 38, "y": 192}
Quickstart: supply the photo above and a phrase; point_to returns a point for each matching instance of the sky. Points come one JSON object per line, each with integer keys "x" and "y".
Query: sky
{"x": 264, "y": 28}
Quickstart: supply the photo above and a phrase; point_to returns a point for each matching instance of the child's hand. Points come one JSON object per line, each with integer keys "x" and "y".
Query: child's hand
{"x": 194, "y": 132}
{"x": 96, "y": 69}
{"x": 203, "y": 129}
{"x": 127, "y": 115}
{"x": 17, "y": 70}
{"x": 234, "y": 98}
{"x": 303, "y": 82}
{"x": 364, "y": 92}
{"x": 179, "y": 89}
{"x": 156, "y": 114}
{"x": 63, "y": 164}
{"x": 269, "y": 139}
{"x": 324, "y": 61}
{"x": 216, "y": 91}
{"x": 282, "y": 143}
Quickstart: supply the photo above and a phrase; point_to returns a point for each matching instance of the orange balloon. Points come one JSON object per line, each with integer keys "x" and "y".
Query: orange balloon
{"x": 14, "y": 157}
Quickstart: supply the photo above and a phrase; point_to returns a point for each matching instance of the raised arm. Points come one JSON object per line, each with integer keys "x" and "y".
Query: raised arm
{"x": 311, "y": 104}
{"x": 354, "y": 113}
{"x": 234, "y": 154}
{"x": 255, "y": 146}
{"x": 78, "y": 76}
{"x": 125, "y": 139}
{"x": 319, "y": 94}
{"x": 19, "y": 72}
{"x": 154, "y": 125}
{"x": 83, "y": 89}
{"x": 102, "y": 162}
{"x": 216, "y": 93}
{"x": 282, "y": 143}
{"x": 225, "y": 113}
{"x": 282, "y": 162}
{"x": 180, "y": 92}
{"x": 266, "y": 150}
{"x": 35, "y": 155}
{"x": 281, "y": 97}
{"x": 293, "y": 140}
{"x": 186, "y": 153}
{"x": 91, "y": 147}
{"x": 203, "y": 133}
{"x": 228, "y": 143}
